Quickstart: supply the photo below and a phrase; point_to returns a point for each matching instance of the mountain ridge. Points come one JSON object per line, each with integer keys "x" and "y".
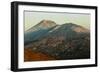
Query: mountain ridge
{"x": 52, "y": 29}
{"x": 45, "y": 24}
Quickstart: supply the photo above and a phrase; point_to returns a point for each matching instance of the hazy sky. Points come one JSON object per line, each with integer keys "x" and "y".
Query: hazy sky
{"x": 32, "y": 18}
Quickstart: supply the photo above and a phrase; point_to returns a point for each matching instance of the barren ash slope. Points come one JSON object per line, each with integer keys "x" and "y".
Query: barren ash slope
{"x": 66, "y": 41}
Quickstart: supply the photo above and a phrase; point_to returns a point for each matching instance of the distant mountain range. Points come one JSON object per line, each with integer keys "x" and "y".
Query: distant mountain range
{"x": 65, "y": 41}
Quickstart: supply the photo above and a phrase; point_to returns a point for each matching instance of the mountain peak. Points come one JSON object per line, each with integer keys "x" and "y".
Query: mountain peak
{"x": 46, "y": 24}
{"x": 76, "y": 28}
{"x": 47, "y": 21}
{"x": 73, "y": 27}
{"x": 70, "y": 24}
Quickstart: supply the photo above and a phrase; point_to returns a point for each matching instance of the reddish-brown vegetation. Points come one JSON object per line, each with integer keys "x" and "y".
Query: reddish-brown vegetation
{"x": 29, "y": 55}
